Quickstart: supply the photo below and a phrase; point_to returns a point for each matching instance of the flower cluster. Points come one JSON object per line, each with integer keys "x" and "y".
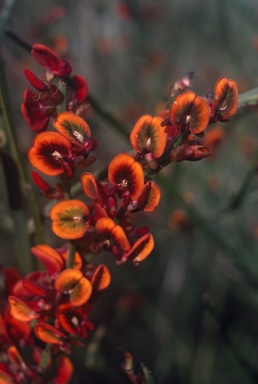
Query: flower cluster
{"x": 51, "y": 306}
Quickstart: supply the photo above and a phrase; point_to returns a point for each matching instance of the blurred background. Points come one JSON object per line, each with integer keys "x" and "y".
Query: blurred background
{"x": 190, "y": 311}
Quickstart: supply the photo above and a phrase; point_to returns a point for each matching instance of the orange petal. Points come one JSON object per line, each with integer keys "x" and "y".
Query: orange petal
{"x": 225, "y": 98}
{"x": 141, "y": 249}
{"x": 69, "y": 219}
{"x": 49, "y": 334}
{"x": 67, "y": 280}
{"x": 81, "y": 293}
{"x": 127, "y": 174}
{"x": 149, "y": 135}
{"x": 48, "y": 151}
{"x": 79, "y": 288}
{"x": 114, "y": 232}
{"x": 189, "y": 109}
{"x": 101, "y": 278}
{"x": 149, "y": 197}
{"x": 49, "y": 257}
{"x": 90, "y": 187}
{"x": 15, "y": 357}
{"x": 21, "y": 311}
{"x": 73, "y": 127}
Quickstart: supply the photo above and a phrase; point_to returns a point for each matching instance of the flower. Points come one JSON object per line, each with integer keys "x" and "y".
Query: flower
{"x": 225, "y": 99}
{"x": 50, "y": 62}
{"x": 70, "y": 219}
{"x": 51, "y": 154}
{"x": 127, "y": 175}
{"x": 191, "y": 111}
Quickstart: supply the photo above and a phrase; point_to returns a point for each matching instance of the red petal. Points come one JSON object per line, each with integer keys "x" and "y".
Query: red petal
{"x": 49, "y": 60}
{"x": 40, "y": 182}
{"x": 35, "y": 81}
{"x": 80, "y": 89}
{"x": 34, "y": 113}
{"x": 49, "y": 257}
{"x": 65, "y": 370}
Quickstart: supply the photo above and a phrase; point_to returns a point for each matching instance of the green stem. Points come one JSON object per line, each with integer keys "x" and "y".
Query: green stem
{"x": 248, "y": 98}
{"x": 14, "y": 152}
{"x": 179, "y": 140}
{"x": 45, "y": 358}
{"x": 71, "y": 253}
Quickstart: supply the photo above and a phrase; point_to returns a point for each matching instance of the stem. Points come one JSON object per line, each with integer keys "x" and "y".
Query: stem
{"x": 14, "y": 153}
{"x": 71, "y": 253}
{"x": 181, "y": 137}
{"x": 45, "y": 358}
{"x": 248, "y": 98}
{"x": 107, "y": 116}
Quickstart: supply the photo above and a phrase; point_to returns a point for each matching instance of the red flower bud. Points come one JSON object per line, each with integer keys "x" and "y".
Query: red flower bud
{"x": 192, "y": 150}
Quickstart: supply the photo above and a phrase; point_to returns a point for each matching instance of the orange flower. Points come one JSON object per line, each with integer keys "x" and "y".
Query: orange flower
{"x": 225, "y": 99}
{"x": 21, "y": 311}
{"x": 101, "y": 278}
{"x": 126, "y": 174}
{"x": 49, "y": 334}
{"x": 92, "y": 188}
{"x": 70, "y": 219}
{"x": 191, "y": 111}
{"x": 149, "y": 136}
{"x": 72, "y": 282}
{"x": 50, "y": 154}
{"x": 141, "y": 249}
{"x": 73, "y": 127}
{"x": 114, "y": 234}
{"x": 149, "y": 198}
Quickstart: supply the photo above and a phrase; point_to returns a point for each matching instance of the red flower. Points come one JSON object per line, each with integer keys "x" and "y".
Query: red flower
{"x": 80, "y": 89}
{"x": 191, "y": 150}
{"x": 50, "y": 62}
{"x": 34, "y": 112}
